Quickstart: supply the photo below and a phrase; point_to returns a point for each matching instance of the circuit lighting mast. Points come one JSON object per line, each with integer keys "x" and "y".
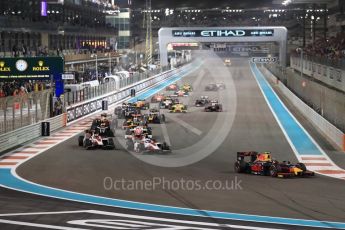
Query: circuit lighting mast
{"x": 148, "y": 23}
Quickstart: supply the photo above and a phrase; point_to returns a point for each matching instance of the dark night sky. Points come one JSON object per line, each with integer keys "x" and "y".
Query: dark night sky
{"x": 200, "y": 4}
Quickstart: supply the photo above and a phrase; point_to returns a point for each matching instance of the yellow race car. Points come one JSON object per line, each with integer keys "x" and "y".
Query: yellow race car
{"x": 178, "y": 108}
{"x": 186, "y": 88}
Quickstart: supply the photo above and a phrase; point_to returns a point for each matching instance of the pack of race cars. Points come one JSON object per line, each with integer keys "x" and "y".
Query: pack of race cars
{"x": 136, "y": 124}
{"x": 138, "y": 117}
{"x": 138, "y": 132}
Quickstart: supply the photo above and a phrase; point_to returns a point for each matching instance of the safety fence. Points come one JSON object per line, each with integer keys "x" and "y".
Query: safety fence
{"x": 330, "y": 75}
{"x": 20, "y": 111}
{"x": 92, "y": 92}
{"x": 84, "y": 108}
{"x": 322, "y": 60}
{"x": 30, "y": 132}
{"x": 324, "y": 98}
{"x": 329, "y": 130}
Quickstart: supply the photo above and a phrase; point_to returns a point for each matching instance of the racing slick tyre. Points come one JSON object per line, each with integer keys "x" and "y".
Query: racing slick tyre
{"x": 111, "y": 144}
{"x": 114, "y": 123}
{"x": 88, "y": 144}
{"x": 274, "y": 170}
{"x": 240, "y": 166}
{"x": 162, "y": 118}
{"x": 128, "y": 131}
{"x": 165, "y": 146}
{"x": 301, "y": 166}
{"x": 141, "y": 147}
{"x": 81, "y": 140}
{"x": 129, "y": 145}
{"x": 110, "y": 133}
{"x": 266, "y": 169}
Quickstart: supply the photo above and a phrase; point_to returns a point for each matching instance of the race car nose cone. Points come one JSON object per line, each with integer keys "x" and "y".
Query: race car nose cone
{"x": 296, "y": 170}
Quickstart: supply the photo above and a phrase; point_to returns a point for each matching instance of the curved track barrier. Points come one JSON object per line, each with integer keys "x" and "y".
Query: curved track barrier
{"x": 332, "y": 132}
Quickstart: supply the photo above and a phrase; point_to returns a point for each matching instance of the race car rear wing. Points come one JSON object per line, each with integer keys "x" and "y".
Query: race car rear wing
{"x": 242, "y": 155}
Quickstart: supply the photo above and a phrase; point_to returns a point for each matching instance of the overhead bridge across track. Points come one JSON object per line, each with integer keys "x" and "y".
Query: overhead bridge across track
{"x": 222, "y": 34}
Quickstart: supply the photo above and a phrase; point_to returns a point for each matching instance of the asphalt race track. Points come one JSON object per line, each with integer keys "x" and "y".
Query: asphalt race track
{"x": 204, "y": 149}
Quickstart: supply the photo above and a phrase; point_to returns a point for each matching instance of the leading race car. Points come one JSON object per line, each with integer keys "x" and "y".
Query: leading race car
{"x": 262, "y": 164}
{"x": 220, "y": 85}
{"x": 213, "y": 106}
{"x": 202, "y": 101}
{"x": 227, "y": 62}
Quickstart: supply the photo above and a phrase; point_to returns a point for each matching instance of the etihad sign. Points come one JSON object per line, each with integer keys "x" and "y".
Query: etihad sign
{"x": 3, "y": 68}
{"x": 40, "y": 67}
{"x": 223, "y": 33}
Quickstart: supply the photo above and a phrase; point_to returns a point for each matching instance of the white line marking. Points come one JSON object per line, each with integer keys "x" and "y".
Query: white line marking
{"x": 176, "y": 221}
{"x": 39, "y": 225}
{"x": 185, "y": 124}
{"x": 10, "y": 160}
{"x": 45, "y": 213}
{"x": 165, "y": 134}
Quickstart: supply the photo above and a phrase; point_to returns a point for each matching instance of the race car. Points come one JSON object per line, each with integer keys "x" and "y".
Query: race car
{"x": 154, "y": 116}
{"x": 94, "y": 139}
{"x": 126, "y": 110}
{"x": 157, "y": 98}
{"x": 142, "y": 143}
{"x": 213, "y": 106}
{"x": 142, "y": 104}
{"x": 181, "y": 93}
{"x": 172, "y": 87}
{"x": 227, "y": 62}
{"x": 262, "y": 164}
{"x": 186, "y": 88}
{"x": 104, "y": 124}
{"x": 148, "y": 145}
{"x": 202, "y": 101}
{"x": 133, "y": 121}
{"x": 214, "y": 86}
{"x": 220, "y": 85}
{"x": 211, "y": 87}
{"x": 168, "y": 102}
{"x": 178, "y": 108}
{"x": 99, "y": 135}
{"x": 145, "y": 131}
